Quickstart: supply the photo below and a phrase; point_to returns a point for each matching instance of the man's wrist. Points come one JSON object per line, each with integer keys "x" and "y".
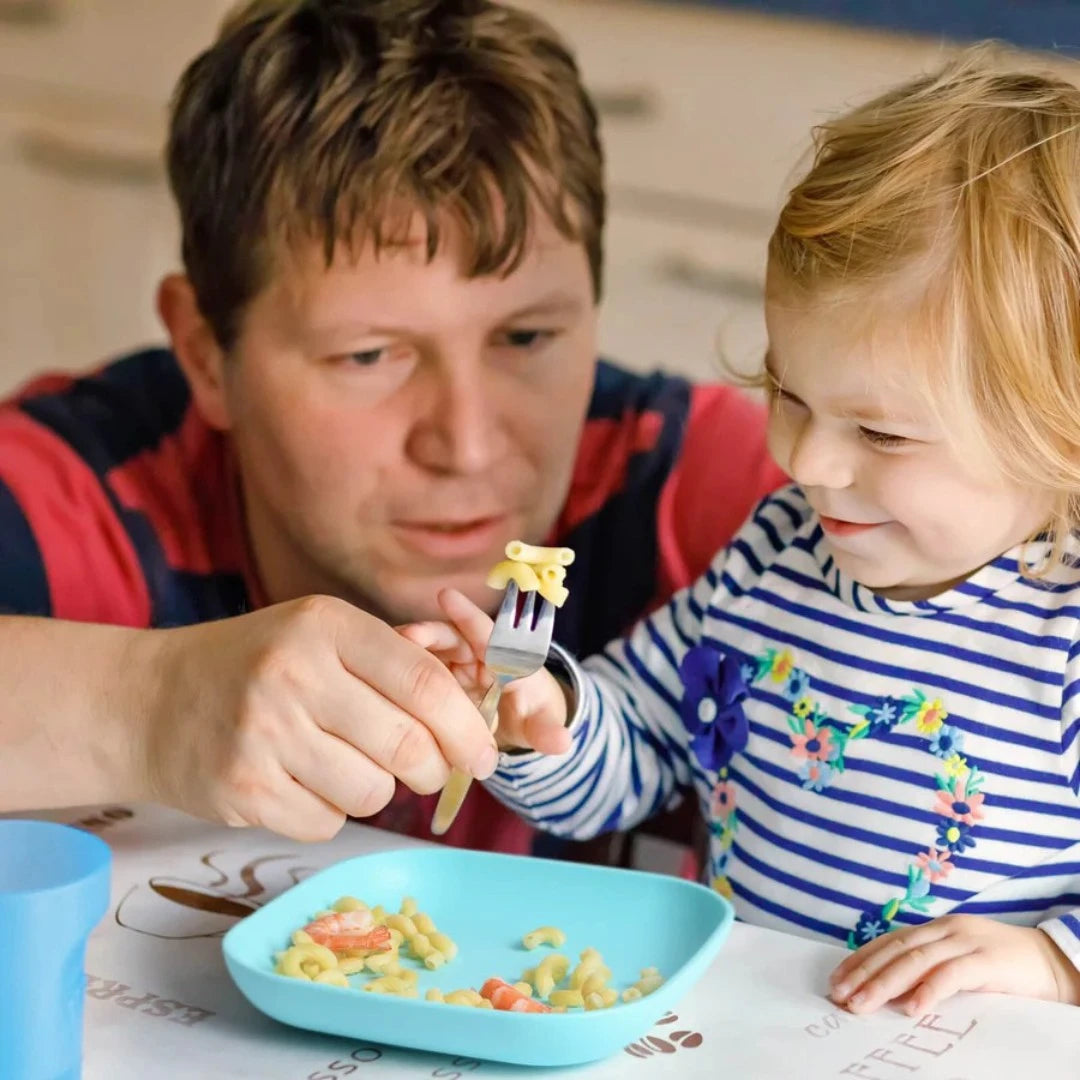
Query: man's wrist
{"x": 141, "y": 679}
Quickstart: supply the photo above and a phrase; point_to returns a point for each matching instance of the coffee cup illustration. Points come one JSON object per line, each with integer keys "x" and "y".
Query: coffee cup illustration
{"x": 207, "y": 904}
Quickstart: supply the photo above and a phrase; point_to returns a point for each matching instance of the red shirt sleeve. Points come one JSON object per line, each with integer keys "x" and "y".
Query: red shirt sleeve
{"x": 90, "y": 566}
{"x": 723, "y": 471}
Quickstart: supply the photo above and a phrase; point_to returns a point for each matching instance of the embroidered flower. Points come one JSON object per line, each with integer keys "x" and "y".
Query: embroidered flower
{"x": 884, "y": 714}
{"x": 721, "y": 885}
{"x": 718, "y": 866}
{"x": 819, "y": 744}
{"x": 723, "y": 801}
{"x": 798, "y": 685}
{"x": 870, "y": 926}
{"x": 957, "y": 803}
{"x": 782, "y": 666}
{"x": 930, "y": 716}
{"x": 879, "y": 718}
{"x": 935, "y": 864}
{"x": 711, "y": 707}
{"x": 956, "y": 766}
{"x": 954, "y": 835}
{"x": 815, "y": 775}
{"x": 919, "y": 887}
{"x": 814, "y": 742}
{"x": 724, "y": 831}
{"x": 947, "y": 741}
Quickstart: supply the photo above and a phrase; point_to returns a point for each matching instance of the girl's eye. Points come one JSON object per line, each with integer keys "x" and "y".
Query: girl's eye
{"x": 880, "y": 438}
{"x": 779, "y": 396}
{"x": 775, "y": 392}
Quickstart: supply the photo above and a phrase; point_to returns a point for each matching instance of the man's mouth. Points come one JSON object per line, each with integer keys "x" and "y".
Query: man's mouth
{"x": 454, "y": 539}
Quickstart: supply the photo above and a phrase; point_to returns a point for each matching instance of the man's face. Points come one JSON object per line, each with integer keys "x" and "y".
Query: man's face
{"x": 397, "y": 423}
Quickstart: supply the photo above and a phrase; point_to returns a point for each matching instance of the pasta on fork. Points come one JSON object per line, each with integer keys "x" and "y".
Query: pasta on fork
{"x": 534, "y": 569}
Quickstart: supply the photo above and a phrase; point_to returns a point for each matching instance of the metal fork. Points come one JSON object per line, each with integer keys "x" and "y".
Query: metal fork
{"x": 515, "y": 649}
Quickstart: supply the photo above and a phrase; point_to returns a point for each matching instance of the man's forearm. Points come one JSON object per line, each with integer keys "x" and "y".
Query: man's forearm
{"x": 71, "y": 713}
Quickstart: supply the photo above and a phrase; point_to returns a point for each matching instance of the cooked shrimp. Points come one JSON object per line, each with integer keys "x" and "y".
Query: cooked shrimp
{"x": 348, "y": 930}
{"x": 509, "y": 999}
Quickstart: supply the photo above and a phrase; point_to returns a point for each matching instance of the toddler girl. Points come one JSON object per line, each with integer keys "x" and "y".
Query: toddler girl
{"x": 874, "y": 692}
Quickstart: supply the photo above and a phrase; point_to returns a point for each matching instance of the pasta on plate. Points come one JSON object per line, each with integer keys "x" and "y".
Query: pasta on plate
{"x": 392, "y": 949}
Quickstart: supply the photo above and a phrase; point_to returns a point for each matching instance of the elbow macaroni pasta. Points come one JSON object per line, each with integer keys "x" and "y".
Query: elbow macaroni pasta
{"x": 650, "y": 980}
{"x": 306, "y": 959}
{"x": 535, "y": 569}
{"x": 519, "y": 551}
{"x": 414, "y": 936}
{"x": 551, "y": 573}
{"x": 544, "y": 935}
{"x": 502, "y": 573}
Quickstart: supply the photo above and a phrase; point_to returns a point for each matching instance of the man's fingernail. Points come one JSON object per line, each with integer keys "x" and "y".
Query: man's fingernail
{"x": 840, "y": 990}
{"x": 855, "y": 1000}
{"x": 486, "y": 763}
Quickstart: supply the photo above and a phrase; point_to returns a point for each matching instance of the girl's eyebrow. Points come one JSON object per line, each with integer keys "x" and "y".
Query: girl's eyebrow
{"x": 847, "y": 408}
{"x": 770, "y": 374}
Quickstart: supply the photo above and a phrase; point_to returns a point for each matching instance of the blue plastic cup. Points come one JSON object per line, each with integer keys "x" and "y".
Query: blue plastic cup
{"x": 54, "y": 889}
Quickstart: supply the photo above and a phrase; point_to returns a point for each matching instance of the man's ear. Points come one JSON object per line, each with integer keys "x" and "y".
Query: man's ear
{"x": 196, "y": 347}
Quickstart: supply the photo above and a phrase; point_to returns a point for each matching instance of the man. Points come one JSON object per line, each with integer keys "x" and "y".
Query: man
{"x": 382, "y": 370}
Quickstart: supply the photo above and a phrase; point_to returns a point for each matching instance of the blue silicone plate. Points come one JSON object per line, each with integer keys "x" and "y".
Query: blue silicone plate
{"x": 486, "y": 902}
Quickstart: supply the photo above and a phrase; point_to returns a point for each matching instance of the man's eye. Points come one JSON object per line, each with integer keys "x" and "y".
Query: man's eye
{"x": 880, "y": 438}
{"x": 367, "y": 357}
{"x": 526, "y": 339}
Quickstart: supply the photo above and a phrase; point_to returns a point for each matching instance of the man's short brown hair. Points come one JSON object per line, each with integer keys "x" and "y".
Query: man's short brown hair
{"x": 336, "y": 120}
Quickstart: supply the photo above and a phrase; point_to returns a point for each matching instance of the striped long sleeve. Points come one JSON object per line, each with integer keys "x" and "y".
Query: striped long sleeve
{"x": 899, "y": 760}
{"x": 629, "y": 758}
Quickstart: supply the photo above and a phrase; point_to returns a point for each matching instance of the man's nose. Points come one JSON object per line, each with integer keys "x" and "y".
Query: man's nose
{"x": 458, "y": 429}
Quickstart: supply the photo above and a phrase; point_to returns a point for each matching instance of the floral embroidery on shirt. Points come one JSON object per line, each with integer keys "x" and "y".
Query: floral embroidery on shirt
{"x": 711, "y": 707}
{"x": 819, "y": 745}
{"x": 723, "y": 821}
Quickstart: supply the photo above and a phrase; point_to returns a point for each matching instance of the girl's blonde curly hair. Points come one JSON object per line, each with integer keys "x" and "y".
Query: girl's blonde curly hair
{"x": 965, "y": 182}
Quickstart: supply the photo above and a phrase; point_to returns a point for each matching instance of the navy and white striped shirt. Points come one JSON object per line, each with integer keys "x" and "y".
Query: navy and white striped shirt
{"x": 862, "y": 762}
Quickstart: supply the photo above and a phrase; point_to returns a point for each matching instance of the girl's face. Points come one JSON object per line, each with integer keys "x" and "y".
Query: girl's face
{"x": 903, "y": 513}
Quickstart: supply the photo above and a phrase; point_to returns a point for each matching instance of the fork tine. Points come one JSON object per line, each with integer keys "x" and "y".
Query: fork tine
{"x": 545, "y": 623}
{"x": 507, "y": 615}
{"x": 527, "y": 610}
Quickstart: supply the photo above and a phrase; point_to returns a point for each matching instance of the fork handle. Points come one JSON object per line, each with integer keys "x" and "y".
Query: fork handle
{"x": 457, "y": 786}
{"x": 489, "y": 705}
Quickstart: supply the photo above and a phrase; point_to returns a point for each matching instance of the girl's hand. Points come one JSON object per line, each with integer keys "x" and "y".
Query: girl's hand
{"x": 923, "y": 965}
{"x": 532, "y": 711}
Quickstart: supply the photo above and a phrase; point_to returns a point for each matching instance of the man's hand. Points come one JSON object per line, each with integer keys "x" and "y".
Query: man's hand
{"x": 298, "y": 715}
{"x": 922, "y": 965}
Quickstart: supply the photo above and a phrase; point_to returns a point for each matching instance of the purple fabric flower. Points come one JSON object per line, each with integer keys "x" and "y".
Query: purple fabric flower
{"x": 711, "y": 708}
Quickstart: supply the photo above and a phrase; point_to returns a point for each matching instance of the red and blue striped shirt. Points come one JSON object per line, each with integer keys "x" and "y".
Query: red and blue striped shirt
{"x": 120, "y": 505}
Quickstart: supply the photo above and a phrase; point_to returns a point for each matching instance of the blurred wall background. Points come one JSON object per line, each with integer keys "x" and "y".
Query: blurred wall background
{"x": 706, "y": 107}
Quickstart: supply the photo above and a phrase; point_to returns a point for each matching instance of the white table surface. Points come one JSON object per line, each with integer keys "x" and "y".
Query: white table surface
{"x": 160, "y": 1003}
